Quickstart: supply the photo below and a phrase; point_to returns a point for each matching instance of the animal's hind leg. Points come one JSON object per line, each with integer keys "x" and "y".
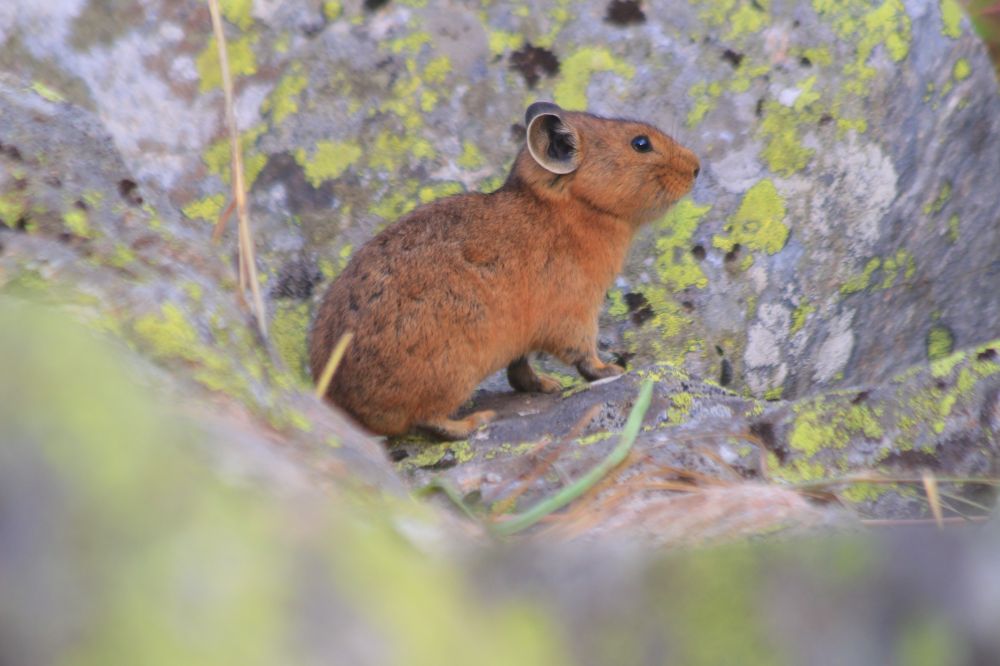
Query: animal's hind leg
{"x": 522, "y": 377}
{"x": 454, "y": 429}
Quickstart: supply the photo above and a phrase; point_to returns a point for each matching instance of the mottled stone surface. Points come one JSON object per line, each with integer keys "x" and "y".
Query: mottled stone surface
{"x": 846, "y": 215}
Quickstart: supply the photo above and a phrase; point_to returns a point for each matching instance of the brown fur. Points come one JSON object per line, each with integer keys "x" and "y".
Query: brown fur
{"x": 467, "y": 285}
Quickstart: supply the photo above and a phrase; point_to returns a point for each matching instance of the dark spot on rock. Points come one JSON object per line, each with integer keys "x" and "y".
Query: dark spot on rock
{"x": 296, "y": 279}
{"x": 687, "y": 305}
{"x": 805, "y": 62}
{"x": 725, "y": 373}
{"x": 732, "y": 57}
{"x": 825, "y": 119}
{"x": 989, "y": 354}
{"x": 796, "y": 23}
{"x": 625, "y": 12}
{"x": 447, "y": 461}
{"x": 764, "y": 432}
{"x": 719, "y": 351}
{"x": 756, "y": 5}
{"x": 911, "y": 460}
{"x": 639, "y": 308}
{"x": 733, "y": 254}
{"x": 940, "y": 384}
{"x": 66, "y": 237}
{"x": 129, "y": 191}
{"x": 1, "y": 245}
{"x": 532, "y": 62}
{"x": 21, "y": 224}
{"x": 145, "y": 241}
{"x": 53, "y": 181}
{"x": 11, "y": 151}
{"x": 398, "y": 454}
{"x": 375, "y": 5}
{"x": 300, "y": 195}
{"x": 80, "y": 204}
{"x": 859, "y": 398}
{"x": 698, "y": 251}
{"x": 759, "y": 110}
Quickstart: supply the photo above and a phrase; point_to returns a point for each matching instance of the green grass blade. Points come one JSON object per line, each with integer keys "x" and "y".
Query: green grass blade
{"x": 566, "y": 495}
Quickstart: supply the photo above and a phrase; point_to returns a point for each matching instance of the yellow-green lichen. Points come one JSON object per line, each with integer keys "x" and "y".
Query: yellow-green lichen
{"x": 675, "y": 266}
{"x": 399, "y": 201}
{"x": 935, "y": 207}
{"x": 576, "y": 70}
{"x": 237, "y": 12}
{"x": 431, "y": 454}
{"x": 429, "y": 193}
{"x": 332, "y": 9}
{"x": 501, "y": 41}
{"x": 122, "y": 256}
{"x": 940, "y": 342}
{"x": 283, "y": 100}
{"x": 12, "y": 208}
{"x": 617, "y": 307}
{"x": 289, "y": 329}
{"x": 953, "y": 223}
{"x": 706, "y": 97}
{"x": 951, "y": 19}
{"x": 390, "y": 150}
{"x": 78, "y": 224}
{"x": 471, "y": 157}
{"x": 680, "y": 407}
{"x": 800, "y": 314}
{"x": 891, "y": 266}
{"x": 207, "y": 208}
{"x": 783, "y": 152}
{"x": 962, "y": 69}
{"x": 218, "y": 156}
{"x": 411, "y": 43}
{"x": 47, "y": 93}
{"x": 887, "y": 25}
{"x": 242, "y": 61}
{"x": 758, "y": 223}
{"x": 741, "y": 17}
{"x": 328, "y": 161}
{"x": 437, "y": 70}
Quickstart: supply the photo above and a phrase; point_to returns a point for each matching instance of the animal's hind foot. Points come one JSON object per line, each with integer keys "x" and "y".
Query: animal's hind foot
{"x": 455, "y": 429}
{"x": 522, "y": 377}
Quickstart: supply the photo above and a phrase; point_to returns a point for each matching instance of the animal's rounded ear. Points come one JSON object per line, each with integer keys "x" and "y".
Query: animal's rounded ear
{"x": 552, "y": 141}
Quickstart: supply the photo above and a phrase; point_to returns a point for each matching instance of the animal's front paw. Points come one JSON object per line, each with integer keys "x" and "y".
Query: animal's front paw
{"x": 594, "y": 369}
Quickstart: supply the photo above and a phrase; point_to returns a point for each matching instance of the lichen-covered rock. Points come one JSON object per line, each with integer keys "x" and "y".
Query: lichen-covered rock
{"x": 77, "y": 229}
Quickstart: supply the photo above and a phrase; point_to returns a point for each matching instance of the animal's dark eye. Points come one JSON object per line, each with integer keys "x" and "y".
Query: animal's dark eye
{"x": 642, "y": 144}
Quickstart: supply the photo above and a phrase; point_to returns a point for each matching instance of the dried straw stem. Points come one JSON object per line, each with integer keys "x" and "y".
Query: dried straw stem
{"x": 247, "y": 259}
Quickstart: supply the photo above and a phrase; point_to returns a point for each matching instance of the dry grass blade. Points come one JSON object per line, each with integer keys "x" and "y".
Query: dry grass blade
{"x": 336, "y": 355}
{"x": 247, "y": 259}
{"x": 933, "y": 498}
{"x": 220, "y": 225}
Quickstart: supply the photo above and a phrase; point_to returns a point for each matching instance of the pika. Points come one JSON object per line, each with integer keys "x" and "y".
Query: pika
{"x": 470, "y": 284}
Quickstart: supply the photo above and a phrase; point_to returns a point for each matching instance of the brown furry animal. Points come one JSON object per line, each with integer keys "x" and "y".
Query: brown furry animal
{"x": 470, "y": 284}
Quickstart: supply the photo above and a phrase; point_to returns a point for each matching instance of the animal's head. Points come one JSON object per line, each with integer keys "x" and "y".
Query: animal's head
{"x": 629, "y": 169}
